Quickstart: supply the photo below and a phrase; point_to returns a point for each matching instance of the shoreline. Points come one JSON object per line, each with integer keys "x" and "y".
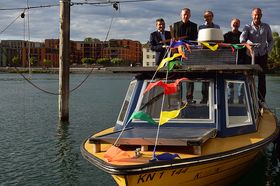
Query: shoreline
{"x": 77, "y": 70}
{"x": 82, "y": 70}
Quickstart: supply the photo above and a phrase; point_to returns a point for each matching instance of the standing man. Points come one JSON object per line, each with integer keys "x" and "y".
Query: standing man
{"x": 208, "y": 18}
{"x": 185, "y": 29}
{"x": 258, "y": 32}
{"x": 233, "y": 38}
{"x": 156, "y": 39}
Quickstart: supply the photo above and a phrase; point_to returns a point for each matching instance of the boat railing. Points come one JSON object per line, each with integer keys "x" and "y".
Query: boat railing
{"x": 215, "y": 53}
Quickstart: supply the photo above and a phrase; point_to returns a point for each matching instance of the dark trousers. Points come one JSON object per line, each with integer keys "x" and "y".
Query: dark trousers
{"x": 262, "y": 61}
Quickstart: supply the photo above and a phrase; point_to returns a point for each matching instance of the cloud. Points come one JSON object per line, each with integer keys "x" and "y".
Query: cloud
{"x": 132, "y": 21}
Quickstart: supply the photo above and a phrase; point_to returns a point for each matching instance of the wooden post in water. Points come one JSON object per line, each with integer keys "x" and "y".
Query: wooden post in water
{"x": 64, "y": 46}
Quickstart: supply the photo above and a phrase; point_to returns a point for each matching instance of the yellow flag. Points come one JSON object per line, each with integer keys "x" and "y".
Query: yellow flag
{"x": 213, "y": 48}
{"x": 167, "y": 115}
{"x": 165, "y": 60}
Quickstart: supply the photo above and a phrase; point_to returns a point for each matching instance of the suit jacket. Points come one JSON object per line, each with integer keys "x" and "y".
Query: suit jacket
{"x": 188, "y": 29}
{"x": 155, "y": 39}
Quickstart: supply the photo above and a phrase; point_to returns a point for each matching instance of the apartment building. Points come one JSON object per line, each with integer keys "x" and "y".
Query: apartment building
{"x": 129, "y": 51}
{"x": 148, "y": 56}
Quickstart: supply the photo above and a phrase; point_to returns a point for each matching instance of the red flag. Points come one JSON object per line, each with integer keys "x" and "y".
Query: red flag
{"x": 151, "y": 85}
{"x": 169, "y": 88}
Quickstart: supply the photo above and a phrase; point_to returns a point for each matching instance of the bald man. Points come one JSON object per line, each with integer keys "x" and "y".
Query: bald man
{"x": 259, "y": 32}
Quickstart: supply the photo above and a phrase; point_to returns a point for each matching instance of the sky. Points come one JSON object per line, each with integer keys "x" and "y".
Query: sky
{"x": 133, "y": 21}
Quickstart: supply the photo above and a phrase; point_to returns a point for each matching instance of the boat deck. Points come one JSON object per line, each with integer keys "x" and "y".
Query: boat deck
{"x": 168, "y": 136}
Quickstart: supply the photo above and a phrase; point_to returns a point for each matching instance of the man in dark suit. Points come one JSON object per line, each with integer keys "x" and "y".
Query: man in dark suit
{"x": 156, "y": 39}
{"x": 186, "y": 30}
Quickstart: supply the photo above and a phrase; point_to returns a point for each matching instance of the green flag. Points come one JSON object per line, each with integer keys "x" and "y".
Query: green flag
{"x": 237, "y": 46}
{"x": 171, "y": 64}
{"x": 142, "y": 116}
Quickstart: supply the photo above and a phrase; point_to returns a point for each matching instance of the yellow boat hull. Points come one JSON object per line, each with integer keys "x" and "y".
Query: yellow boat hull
{"x": 216, "y": 173}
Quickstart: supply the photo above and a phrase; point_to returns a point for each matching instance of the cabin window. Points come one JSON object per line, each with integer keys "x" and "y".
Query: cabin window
{"x": 237, "y": 106}
{"x": 196, "y": 94}
{"x": 126, "y": 102}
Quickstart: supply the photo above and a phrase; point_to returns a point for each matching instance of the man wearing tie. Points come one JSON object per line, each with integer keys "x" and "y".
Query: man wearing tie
{"x": 156, "y": 39}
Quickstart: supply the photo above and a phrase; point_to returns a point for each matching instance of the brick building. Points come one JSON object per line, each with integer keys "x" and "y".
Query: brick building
{"x": 129, "y": 51}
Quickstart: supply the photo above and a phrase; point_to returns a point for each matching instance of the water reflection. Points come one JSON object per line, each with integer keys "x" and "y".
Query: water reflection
{"x": 272, "y": 164}
{"x": 66, "y": 156}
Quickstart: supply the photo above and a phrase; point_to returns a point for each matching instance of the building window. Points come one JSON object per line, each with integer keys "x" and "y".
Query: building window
{"x": 154, "y": 57}
{"x": 148, "y": 50}
{"x": 148, "y": 64}
{"x": 148, "y": 57}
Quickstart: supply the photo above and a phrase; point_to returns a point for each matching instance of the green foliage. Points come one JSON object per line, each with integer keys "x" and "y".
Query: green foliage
{"x": 47, "y": 62}
{"x": 32, "y": 60}
{"x": 87, "y": 60}
{"x": 15, "y": 60}
{"x": 274, "y": 56}
{"x": 88, "y": 40}
{"x": 116, "y": 61}
{"x": 103, "y": 61}
{"x": 91, "y": 40}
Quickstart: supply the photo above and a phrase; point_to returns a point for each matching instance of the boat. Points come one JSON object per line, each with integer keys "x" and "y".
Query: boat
{"x": 195, "y": 124}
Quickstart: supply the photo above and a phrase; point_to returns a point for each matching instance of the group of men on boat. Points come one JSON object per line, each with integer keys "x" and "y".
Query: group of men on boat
{"x": 255, "y": 32}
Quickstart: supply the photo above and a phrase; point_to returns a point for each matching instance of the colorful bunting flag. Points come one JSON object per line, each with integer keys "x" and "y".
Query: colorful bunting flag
{"x": 169, "y": 88}
{"x": 176, "y": 44}
{"x": 142, "y": 116}
{"x": 181, "y": 47}
{"x": 181, "y": 50}
{"x": 248, "y": 46}
{"x": 165, "y": 60}
{"x": 168, "y": 115}
{"x": 227, "y": 45}
{"x": 213, "y": 48}
{"x": 237, "y": 46}
{"x": 171, "y": 64}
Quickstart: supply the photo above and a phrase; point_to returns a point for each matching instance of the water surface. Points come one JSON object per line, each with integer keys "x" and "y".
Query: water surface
{"x": 38, "y": 150}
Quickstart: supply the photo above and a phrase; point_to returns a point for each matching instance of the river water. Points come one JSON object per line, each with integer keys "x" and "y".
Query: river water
{"x": 36, "y": 149}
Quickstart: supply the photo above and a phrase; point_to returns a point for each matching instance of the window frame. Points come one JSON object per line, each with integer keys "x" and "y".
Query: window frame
{"x": 127, "y": 99}
{"x": 211, "y": 105}
{"x": 249, "y": 113}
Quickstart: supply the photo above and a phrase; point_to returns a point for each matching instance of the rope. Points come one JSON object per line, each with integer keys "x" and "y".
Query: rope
{"x": 10, "y": 24}
{"x": 30, "y": 7}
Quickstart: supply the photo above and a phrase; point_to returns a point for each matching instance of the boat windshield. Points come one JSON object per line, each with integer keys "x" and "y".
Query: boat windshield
{"x": 196, "y": 94}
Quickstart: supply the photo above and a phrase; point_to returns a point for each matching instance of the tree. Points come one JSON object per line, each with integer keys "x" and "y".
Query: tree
{"x": 15, "y": 60}
{"x": 103, "y": 61}
{"x": 88, "y": 40}
{"x": 32, "y": 61}
{"x": 274, "y": 56}
{"x": 87, "y": 60}
{"x": 116, "y": 61}
{"x": 47, "y": 62}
